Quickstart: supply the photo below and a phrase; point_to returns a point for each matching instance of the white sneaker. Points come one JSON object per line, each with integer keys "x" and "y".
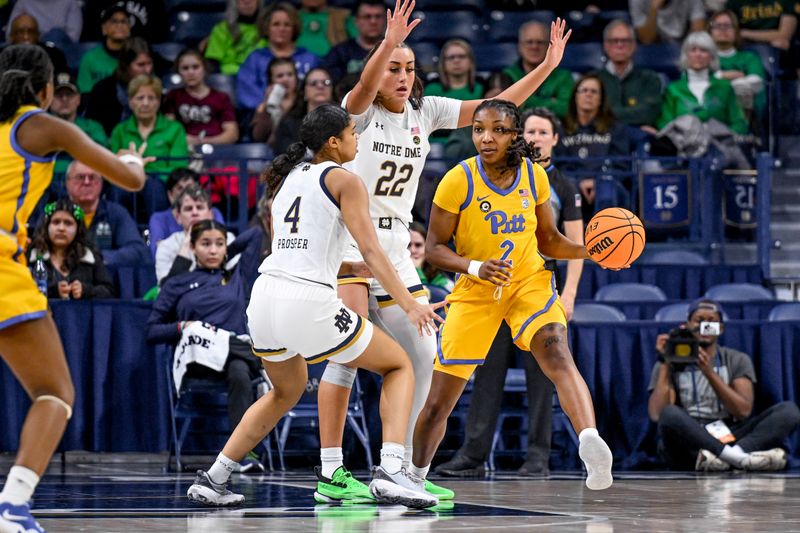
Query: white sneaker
{"x": 207, "y": 492}
{"x": 708, "y": 462}
{"x": 401, "y": 487}
{"x": 765, "y": 460}
{"x": 596, "y": 456}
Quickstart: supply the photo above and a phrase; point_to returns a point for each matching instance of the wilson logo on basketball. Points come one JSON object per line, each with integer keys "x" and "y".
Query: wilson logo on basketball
{"x": 600, "y": 246}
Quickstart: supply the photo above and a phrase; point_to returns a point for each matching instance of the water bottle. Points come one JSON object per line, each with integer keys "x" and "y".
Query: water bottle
{"x": 40, "y": 275}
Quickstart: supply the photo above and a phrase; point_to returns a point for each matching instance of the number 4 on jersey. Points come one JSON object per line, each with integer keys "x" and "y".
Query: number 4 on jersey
{"x": 293, "y": 215}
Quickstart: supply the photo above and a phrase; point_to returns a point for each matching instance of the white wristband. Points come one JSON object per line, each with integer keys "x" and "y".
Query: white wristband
{"x": 131, "y": 159}
{"x": 474, "y": 268}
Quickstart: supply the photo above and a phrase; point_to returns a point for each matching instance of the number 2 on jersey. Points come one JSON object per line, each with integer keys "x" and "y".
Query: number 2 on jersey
{"x": 293, "y": 215}
{"x": 385, "y": 187}
{"x": 508, "y": 246}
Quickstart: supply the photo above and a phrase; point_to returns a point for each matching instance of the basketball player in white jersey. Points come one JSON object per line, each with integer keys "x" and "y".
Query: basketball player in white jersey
{"x": 294, "y": 308}
{"x": 393, "y": 121}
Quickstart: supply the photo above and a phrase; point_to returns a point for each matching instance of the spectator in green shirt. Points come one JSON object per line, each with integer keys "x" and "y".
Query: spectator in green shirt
{"x": 456, "y": 73}
{"x": 742, "y": 68}
{"x": 165, "y": 138}
{"x": 233, "y": 38}
{"x": 555, "y": 92}
{"x": 323, "y": 26}
{"x": 699, "y": 92}
{"x": 66, "y": 100}
{"x": 767, "y": 21}
{"x": 100, "y": 62}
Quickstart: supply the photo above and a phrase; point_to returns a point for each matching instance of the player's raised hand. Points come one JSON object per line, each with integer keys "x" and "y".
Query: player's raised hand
{"x": 397, "y": 25}
{"x": 497, "y": 271}
{"x": 558, "y": 41}
{"x": 424, "y": 317}
{"x": 137, "y": 152}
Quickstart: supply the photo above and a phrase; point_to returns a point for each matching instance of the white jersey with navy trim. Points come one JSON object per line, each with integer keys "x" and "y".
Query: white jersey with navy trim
{"x": 309, "y": 234}
{"x": 392, "y": 149}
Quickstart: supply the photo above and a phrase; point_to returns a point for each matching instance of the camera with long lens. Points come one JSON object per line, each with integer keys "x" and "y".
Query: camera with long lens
{"x": 681, "y": 347}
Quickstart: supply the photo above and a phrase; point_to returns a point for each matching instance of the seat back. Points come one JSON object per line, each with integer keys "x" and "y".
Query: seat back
{"x": 738, "y": 292}
{"x": 583, "y": 57}
{"x": 504, "y": 25}
{"x": 591, "y": 312}
{"x": 673, "y": 312}
{"x": 673, "y": 257}
{"x": 191, "y": 27}
{"x": 790, "y": 311}
{"x": 494, "y": 57}
{"x": 661, "y": 57}
{"x": 630, "y": 292}
{"x": 439, "y": 26}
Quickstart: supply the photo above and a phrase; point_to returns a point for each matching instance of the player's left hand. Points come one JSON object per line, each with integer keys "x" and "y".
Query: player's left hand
{"x": 558, "y": 41}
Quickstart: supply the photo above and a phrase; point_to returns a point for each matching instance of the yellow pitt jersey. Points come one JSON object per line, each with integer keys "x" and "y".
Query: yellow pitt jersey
{"x": 496, "y": 223}
{"x": 23, "y": 179}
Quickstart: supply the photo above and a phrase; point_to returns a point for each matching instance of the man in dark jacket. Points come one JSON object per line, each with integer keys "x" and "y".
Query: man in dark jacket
{"x": 110, "y": 227}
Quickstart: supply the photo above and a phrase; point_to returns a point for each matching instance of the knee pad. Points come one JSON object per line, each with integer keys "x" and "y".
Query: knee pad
{"x": 340, "y": 375}
{"x": 59, "y": 401}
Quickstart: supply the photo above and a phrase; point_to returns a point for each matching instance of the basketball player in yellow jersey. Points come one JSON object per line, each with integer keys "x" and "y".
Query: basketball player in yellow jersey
{"x": 496, "y": 207}
{"x": 29, "y": 342}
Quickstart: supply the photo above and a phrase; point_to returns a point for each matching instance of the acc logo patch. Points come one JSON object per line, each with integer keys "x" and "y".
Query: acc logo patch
{"x": 486, "y": 206}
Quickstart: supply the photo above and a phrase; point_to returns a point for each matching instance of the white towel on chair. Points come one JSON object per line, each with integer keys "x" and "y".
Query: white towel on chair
{"x": 203, "y": 344}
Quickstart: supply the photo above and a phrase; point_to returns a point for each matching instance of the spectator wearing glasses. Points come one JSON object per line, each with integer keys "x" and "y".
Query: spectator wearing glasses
{"x": 666, "y": 20}
{"x": 633, "y": 94}
{"x": 24, "y": 29}
{"x": 348, "y": 57}
{"x": 50, "y": 15}
{"x": 280, "y": 26}
{"x": 207, "y": 114}
{"x": 456, "y": 73}
{"x": 235, "y": 37}
{"x": 148, "y": 18}
{"x": 317, "y": 90}
{"x": 101, "y": 61}
{"x": 74, "y": 270}
{"x": 554, "y": 93}
{"x": 109, "y": 226}
{"x": 742, "y": 68}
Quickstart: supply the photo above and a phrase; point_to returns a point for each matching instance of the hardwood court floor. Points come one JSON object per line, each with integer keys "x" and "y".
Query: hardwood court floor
{"x": 133, "y": 499}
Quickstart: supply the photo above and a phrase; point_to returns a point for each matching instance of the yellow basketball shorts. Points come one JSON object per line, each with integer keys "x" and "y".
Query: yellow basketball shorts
{"x": 20, "y": 300}
{"x": 474, "y": 316}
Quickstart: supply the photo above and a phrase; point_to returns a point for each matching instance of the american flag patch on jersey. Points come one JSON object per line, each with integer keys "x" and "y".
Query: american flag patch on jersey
{"x": 414, "y": 130}
{"x": 523, "y": 192}
{"x": 577, "y": 200}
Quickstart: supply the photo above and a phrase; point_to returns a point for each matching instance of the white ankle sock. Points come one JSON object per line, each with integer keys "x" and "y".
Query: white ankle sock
{"x": 332, "y": 459}
{"x": 222, "y": 469}
{"x": 588, "y": 432}
{"x": 407, "y": 457}
{"x": 733, "y": 455}
{"x": 392, "y": 456}
{"x": 19, "y": 486}
{"x": 419, "y": 471}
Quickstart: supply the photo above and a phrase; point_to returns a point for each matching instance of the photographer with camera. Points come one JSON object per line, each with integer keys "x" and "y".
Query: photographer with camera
{"x": 701, "y": 396}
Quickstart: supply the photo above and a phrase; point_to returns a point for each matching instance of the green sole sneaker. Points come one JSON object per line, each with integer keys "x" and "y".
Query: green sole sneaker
{"x": 440, "y": 492}
{"x": 341, "y": 488}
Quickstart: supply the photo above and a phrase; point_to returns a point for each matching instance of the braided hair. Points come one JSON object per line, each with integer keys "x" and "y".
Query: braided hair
{"x": 26, "y": 71}
{"x": 317, "y": 127}
{"x": 518, "y": 148}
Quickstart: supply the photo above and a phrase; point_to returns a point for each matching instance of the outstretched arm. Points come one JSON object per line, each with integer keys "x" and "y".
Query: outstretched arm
{"x": 551, "y": 242}
{"x": 397, "y": 29}
{"x": 525, "y": 87}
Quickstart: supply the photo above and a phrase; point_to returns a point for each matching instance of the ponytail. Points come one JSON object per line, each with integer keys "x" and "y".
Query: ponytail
{"x": 26, "y": 70}
{"x": 282, "y": 165}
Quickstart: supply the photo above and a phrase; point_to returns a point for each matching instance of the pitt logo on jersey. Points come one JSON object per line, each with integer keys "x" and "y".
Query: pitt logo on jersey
{"x": 501, "y": 223}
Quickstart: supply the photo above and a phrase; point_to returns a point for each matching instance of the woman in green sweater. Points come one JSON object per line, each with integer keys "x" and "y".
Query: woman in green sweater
{"x": 699, "y": 92}
{"x": 165, "y": 138}
{"x": 233, "y": 38}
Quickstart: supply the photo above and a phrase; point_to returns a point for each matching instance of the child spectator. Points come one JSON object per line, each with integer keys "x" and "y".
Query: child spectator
{"x": 317, "y": 90}
{"x": 74, "y": 269}
{"x": 279, "y": 98}
{"x": 207, "y": 114}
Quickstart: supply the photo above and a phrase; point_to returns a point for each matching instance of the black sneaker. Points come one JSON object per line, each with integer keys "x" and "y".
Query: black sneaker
{"x": 461, "y": 466}
{"x": 533, "y": 467}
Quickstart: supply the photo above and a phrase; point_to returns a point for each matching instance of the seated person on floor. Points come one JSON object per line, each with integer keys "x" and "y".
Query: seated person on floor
{"x": 703, "y": 405}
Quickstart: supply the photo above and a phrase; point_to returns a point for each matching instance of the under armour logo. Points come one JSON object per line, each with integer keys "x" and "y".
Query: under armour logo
{"x": 306, "y": 167}
{"x": 378, "y": 125}
{"x": 343, "y": 320}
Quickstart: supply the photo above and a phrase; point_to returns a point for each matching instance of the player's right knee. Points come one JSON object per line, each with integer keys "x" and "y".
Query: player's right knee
{"x": 340, "y": 375}
{"x": 67, "y": 406}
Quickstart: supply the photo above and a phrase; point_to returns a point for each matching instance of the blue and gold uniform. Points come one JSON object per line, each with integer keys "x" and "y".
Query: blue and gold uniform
{"x": 495, "y": 223}
{"x": 23, "y": 179}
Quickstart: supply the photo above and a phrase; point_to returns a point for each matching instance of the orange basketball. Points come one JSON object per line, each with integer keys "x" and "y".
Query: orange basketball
{"x": 614, "y": 237}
